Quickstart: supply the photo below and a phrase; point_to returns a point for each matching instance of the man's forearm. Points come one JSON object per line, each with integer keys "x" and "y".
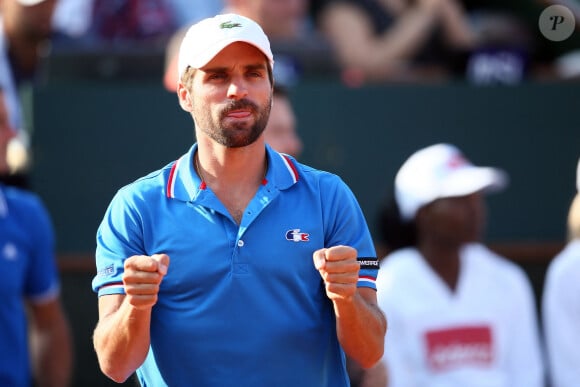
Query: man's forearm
{"x": 121, "y": 341}
{"x": 361, "y": 328}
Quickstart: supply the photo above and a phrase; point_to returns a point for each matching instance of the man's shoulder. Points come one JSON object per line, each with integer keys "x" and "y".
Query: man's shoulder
{"x": 289, "y": 170}
{"x": 150, "y": 184}
{"x": 311, "y": 173}
{"x": 151, "y": 179}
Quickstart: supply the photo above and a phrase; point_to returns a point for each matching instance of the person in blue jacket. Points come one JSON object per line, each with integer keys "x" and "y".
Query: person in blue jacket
{"x": 35, "y": 337}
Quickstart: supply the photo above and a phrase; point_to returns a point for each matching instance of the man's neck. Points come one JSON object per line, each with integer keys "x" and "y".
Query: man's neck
{"x": 233, "y": 174}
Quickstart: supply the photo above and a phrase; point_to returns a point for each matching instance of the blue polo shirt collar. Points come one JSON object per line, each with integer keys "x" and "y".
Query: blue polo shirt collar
{"x": 184, "y": 184}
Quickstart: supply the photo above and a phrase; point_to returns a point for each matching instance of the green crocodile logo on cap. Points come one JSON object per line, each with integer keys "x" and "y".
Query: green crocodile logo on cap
{"x": 229, "y": 24}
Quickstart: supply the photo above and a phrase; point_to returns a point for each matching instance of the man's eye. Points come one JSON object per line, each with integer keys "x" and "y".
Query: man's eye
{"x": 217, "y": 76}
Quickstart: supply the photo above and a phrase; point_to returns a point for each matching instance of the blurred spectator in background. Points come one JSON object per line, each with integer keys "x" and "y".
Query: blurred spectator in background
{"x": 12, "y": 106}
{"x": 76, "y": 19}
{"x": 281, "y": 131}
{"x": 508, "y": 42}
{"x": 284, "y": 20}
{"x": 511, "y": 46}
{"x": 187, "y": 12}
{"x": 481, "y": 41}
{"x": 377, "y": 40}
{"x": 459, "y": 315}
{"x": 25, "y": 29}
{"x": 35, "y": 340}
{"x": 27, "y": 26}
{"x": 504, "y": 49}
{"x": 561, "y": 305}
{"x": 121, "y": 21}
{"x": 71, "y": 19}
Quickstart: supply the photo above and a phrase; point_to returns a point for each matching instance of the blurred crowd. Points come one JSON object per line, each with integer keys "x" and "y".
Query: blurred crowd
{"x": 361, "y": 42}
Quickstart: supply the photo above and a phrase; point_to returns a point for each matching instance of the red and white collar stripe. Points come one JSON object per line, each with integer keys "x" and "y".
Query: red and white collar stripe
{"x": 290, "y": 166}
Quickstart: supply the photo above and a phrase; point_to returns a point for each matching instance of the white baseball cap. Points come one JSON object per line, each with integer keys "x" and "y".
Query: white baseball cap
{"x": 205, "y": 39}
{"x": 441, "y": 171}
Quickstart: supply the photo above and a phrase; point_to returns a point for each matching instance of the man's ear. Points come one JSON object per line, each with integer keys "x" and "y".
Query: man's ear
{"x": 184, "y": 97}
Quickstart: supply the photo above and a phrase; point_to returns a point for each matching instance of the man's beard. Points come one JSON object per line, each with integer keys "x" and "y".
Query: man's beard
{"x": 236, "y": 135}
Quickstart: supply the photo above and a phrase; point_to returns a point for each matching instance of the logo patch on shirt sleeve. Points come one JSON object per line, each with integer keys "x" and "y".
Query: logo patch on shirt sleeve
{"x": 370, "y": 263}
{"x": 106, "y": 271}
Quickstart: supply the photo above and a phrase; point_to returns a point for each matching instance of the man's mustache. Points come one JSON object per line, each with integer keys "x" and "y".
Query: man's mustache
{"x": 239, "y": 104}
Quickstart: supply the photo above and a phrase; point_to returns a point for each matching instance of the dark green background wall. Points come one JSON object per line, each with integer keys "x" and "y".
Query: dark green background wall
{"x": 90, "y": 138}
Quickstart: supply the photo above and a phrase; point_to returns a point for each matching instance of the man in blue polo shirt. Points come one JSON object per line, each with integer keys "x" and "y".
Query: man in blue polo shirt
{"x": 235, "y": 265}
